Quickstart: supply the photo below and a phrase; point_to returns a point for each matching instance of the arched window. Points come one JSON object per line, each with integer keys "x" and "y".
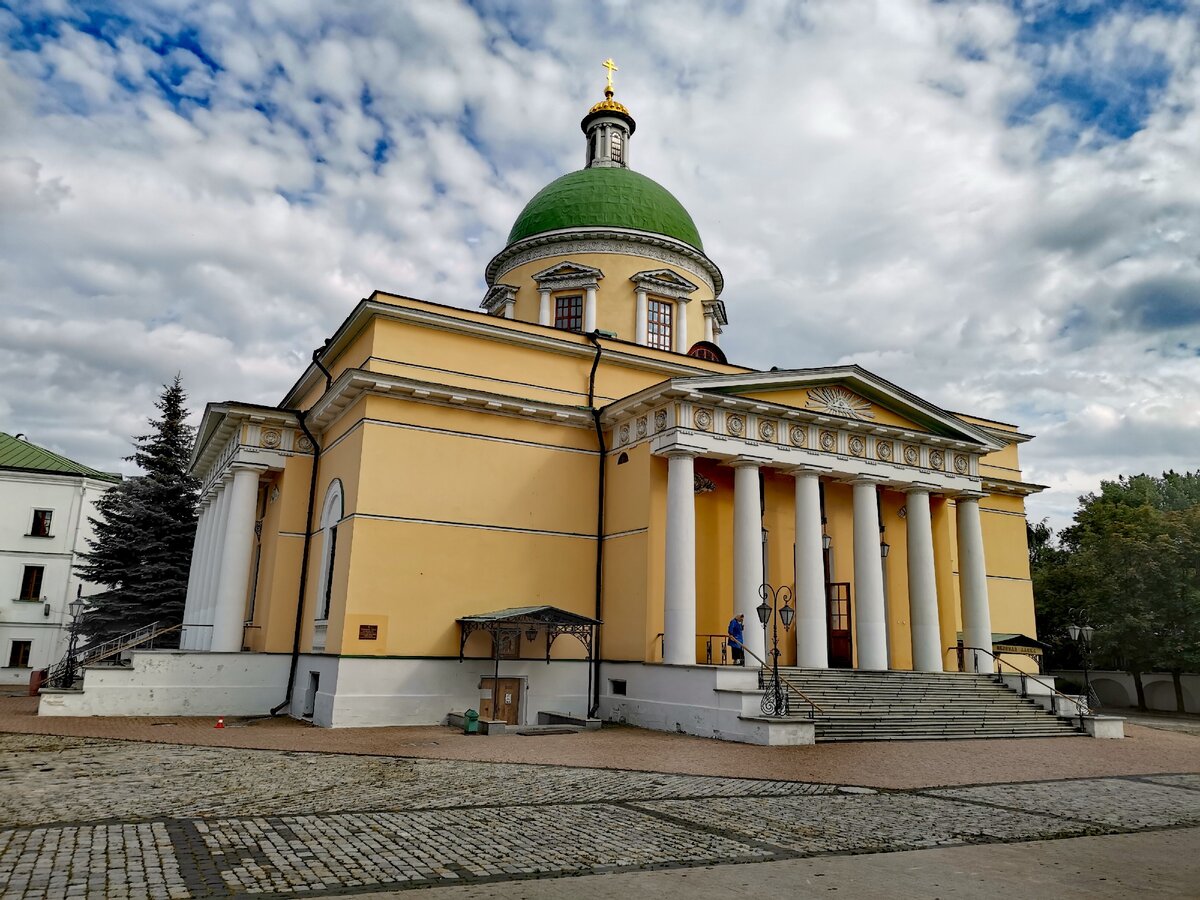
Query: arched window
{"x": 331, "y": 514}
{"x": 707, "y": 350}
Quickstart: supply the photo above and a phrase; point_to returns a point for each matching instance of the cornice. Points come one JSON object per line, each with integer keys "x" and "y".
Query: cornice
{"x": 539, "y": 246}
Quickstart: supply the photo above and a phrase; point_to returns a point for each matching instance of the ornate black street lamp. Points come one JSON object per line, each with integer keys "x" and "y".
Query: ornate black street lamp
{"x": 1081, "y": 632}
{"x": 775, "y": 700}
{"x": 76, "y": 609}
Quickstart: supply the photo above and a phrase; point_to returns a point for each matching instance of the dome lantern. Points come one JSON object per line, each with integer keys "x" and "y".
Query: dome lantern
{"x": 608, "y": 126}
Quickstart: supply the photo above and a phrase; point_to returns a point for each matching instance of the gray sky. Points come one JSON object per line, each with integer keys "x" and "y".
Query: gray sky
{"x": 993, "y": 204}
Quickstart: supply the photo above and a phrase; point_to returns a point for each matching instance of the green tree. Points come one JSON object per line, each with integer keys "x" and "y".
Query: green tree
{"x": 1132, "y": 560}
{"x": 144, "y": 530}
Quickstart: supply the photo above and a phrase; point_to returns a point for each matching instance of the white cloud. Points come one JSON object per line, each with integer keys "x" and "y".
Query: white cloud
{"x": 853, "y": 167}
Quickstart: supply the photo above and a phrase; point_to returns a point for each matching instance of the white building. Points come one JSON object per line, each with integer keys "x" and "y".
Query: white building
{"x": 45, "y": 502}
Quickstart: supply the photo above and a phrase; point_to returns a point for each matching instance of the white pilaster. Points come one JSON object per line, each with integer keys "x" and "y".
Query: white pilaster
{"x": 212, "y": 567}
{"x": 237, "y": 551}
{"x": 681, "y": 336}
{"x": 589, "y": 310}
{"x": 870, "y": 620}
{"x": 709, "y": 334}
{"x": 545, "y": 311}
{"x": 509, "y": 308}
{"x": 747, "y": 553}
{"x": 972, "y": 584}
{"x": 922, "y": 584}
{"x": 679, "y": 583}
{"x": 812, "y": 639}
{"x": 642, "y": 328}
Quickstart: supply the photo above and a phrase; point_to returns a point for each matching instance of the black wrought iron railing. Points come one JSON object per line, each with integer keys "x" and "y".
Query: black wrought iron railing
{"x": 1084, "y": 706}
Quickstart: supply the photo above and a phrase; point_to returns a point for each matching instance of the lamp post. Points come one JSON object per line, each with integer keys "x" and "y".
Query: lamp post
{"x": 1081, "y": 632}
{"x": 774, "y": 701}
{"x": 76, "y": 609}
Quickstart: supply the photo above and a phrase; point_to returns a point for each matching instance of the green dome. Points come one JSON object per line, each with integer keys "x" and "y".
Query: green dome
{"x": 605, "y": 196}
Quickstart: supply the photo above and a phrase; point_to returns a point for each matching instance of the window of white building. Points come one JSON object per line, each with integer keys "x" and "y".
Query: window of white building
{"x": 41, "y": 523}
{"x": 31, "y": 583}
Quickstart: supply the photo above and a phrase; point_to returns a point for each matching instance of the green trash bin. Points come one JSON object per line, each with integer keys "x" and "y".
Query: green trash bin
{"x": 471, "y": 722}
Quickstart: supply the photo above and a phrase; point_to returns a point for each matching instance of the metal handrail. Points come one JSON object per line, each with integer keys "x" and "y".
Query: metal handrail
{"x": 815, "y": 708}
{"x": 1084, "y": 706}
{"x": 111, "y": 647}
{"x": 708, "y": 646}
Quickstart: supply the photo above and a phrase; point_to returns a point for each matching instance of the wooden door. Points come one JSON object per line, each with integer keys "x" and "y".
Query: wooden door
{"x": 505, "y": 702}
{"x": 838, "y": 617}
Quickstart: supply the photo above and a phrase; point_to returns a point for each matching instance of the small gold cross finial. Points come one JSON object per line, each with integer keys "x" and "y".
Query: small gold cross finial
{"x": 612, "y": 67}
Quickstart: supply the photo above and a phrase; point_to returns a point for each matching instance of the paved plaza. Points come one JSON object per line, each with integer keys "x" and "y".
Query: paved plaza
{"x": 84, "y": 817}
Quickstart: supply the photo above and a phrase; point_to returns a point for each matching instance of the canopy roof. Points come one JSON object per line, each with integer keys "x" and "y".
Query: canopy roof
{"x": 529, "y": 615}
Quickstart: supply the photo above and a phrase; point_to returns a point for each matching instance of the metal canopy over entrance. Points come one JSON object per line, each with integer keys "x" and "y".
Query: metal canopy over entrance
{"x": 506, "y": 627}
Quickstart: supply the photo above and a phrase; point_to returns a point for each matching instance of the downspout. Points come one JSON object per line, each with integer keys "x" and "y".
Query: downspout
{"x": 594, "y": 674}
{"x": 301, "y": 416}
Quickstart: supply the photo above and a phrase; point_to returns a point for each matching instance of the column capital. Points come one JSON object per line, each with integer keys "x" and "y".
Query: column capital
{"x": 967, "y": 495}
{"x": 240, "y": 466}
{"x": 874, "y": 480}
{"x": 681, "y": 453}
{"x": 747, "y": 461}
{"x": 919, "y": 488}
{"x": 818, "y": 471}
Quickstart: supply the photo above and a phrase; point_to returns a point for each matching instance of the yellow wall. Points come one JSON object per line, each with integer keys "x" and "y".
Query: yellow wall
{"x": 454, "y": 510}
{"x": 798, "y": 398}
{"x": 616, "y": 305}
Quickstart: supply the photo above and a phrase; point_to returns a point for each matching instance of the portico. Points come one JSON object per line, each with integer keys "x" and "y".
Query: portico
{"x": 929, "y": 460}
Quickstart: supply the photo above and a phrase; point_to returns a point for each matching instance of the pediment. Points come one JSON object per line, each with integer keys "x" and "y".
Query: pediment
{"x": 845, "y": 393}
{"x": 665, "y": 281}
{"x": 568, "y": 270}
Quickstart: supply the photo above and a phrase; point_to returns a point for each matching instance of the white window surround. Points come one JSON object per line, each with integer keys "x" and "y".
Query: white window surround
{"x": 332, "y": 512}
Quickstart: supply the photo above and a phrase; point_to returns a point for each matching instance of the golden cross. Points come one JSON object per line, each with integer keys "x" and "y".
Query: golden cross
{"x": 612, "y": 67}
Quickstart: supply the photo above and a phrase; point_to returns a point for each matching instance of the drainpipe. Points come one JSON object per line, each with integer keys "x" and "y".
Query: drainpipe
{"x": 594, "y": 671}
{"x": 301, "y": 416}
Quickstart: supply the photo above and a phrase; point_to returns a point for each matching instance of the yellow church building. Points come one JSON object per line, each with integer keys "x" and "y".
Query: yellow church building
{"x": 553, "y": 507}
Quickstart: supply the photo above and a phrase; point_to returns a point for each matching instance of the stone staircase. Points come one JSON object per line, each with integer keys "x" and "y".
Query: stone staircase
{"x": 916, "y": 706}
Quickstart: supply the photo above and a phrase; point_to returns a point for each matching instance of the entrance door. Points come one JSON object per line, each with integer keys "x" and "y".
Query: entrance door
{"x": 838, "y": 616}
{"x": 505, "y": 702}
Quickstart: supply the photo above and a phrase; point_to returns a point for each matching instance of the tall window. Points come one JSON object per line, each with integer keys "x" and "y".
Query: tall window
{"x": 31, "y": 583}
{"x": 568, "y": 313}
{"x": 41, "y": 523}
{"x": 331, "y": 516}
{"x": 616, "y": 147}
{"x": 658, "y": 324}
{"x": 18, "y": 655}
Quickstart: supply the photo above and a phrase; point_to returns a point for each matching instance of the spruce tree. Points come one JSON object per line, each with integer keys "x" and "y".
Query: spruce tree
{"x": 142, "y": 548}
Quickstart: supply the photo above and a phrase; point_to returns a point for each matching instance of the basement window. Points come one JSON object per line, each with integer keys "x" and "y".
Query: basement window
{"x": 617, "y": 686}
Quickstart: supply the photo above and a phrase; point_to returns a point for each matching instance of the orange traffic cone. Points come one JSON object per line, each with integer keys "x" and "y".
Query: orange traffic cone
{"x": 220, "y": 722}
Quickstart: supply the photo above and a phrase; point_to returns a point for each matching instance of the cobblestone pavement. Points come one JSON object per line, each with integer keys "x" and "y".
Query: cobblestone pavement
{"x": 124, "y": 820}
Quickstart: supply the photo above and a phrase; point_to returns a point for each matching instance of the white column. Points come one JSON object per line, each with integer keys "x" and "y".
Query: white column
{"x": 589, "y": 310}
{"x": 230, "y": 613}
{"x": 509, "y": 308}
{"x": 203, "y": 523}
{"x": 679, "y": 601}
{"x": 709, "y": 334}
{"x": 681, "y": 338}
{"x": 972, "y": 584}
{"x": 212, "y": 567}
{"x": 642, "y": 328}
{"x": 922, "y": 584}
{"x": 870, "y": 619}
{"x": 545, "y": 312}
{"x": 747, "y": 554}
{"x": 812, "y": 638}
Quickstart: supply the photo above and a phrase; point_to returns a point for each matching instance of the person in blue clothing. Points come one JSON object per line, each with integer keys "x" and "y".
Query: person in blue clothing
{"x": 736, "y": 636}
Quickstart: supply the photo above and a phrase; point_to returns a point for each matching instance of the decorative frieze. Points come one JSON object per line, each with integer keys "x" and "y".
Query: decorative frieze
{"x": 837, "y": 401}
